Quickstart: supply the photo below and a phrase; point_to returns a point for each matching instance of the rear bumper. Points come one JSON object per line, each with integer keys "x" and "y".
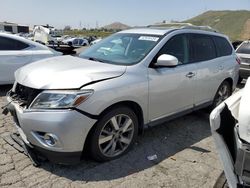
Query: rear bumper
{"x": 244, "y": 72}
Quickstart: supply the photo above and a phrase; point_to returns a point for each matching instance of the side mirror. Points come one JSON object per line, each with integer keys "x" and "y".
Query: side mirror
{"x": 166, "y": 60}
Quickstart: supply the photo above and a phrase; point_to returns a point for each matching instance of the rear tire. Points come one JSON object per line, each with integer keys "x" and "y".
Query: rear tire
{"x": 240, "y": 80}
{"x": 114, "y": 134}
{"x": 223, "y": 92}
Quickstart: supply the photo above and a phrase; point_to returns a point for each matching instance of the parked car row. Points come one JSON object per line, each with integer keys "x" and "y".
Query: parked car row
{"x": 102, "y": 100}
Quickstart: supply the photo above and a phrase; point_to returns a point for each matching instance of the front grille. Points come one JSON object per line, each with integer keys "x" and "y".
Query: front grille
{"x": 24, "y": 95}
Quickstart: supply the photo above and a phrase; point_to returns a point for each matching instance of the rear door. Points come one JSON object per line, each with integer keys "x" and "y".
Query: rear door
{"x": 171, "y": 89}
{"x": 210, "y": 67}
{"x": 13, "y": 55}
{"x": 80, "y": 43}
{"x": 76, "y": 42}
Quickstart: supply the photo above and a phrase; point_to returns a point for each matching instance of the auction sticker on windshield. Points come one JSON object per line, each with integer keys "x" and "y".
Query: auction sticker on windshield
{"x": 149, "y": 38}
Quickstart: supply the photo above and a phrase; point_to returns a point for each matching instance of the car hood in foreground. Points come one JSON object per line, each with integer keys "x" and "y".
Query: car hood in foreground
{"x": 65, "y": 72}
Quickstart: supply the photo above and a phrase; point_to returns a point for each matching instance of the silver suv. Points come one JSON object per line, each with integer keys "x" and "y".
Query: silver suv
{"x": 100, "y": 101}
{"x": 243, "y": 52}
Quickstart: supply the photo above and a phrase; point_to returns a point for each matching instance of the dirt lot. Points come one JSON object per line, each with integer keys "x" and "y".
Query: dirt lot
{"x": 186, "y": 157}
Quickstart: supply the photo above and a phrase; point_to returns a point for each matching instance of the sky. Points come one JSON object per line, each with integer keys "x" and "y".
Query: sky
{"x": 92, "y": 13}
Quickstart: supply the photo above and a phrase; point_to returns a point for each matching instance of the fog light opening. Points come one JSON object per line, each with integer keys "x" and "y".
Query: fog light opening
{"x": 50, "y": 139}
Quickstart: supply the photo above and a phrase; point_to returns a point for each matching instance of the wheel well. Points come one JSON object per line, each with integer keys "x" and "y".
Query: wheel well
{"x": 133, "y": 106}
{"x": 130, "y": 104}
{"x": 230, "y": 81}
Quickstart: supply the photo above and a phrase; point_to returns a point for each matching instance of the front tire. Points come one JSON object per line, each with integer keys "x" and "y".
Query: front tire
{"x": 114, "y": 134}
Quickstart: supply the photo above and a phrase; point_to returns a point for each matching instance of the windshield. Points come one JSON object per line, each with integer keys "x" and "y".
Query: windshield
{"x": 121, "y": 48}
{"x": 244, "y": 48}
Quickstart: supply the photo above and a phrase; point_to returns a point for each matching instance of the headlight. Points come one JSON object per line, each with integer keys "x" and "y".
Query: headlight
{"x": 60, "y": 99}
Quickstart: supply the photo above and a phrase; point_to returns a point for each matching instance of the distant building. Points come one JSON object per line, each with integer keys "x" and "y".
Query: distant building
{"x": 13, "y": 27}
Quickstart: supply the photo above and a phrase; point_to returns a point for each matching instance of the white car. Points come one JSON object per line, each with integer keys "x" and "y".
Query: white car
{"x": 16, "y": 52}
{"x": 230, "y": 125}
{"x": 95, "y": 41}
{"x": 76, "y": 42}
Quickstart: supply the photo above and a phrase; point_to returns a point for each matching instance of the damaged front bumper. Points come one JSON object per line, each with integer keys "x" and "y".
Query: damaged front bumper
{"x": 67, "y": 127}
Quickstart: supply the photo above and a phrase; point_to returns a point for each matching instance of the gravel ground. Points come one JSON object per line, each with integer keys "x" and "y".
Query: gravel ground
{"x": 186, "y": 157}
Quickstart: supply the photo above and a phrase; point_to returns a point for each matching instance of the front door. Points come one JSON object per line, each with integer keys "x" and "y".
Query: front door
{"x": 171, "y": 89}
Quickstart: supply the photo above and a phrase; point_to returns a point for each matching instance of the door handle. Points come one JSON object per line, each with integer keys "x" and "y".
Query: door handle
{"x": 190, "y": 74}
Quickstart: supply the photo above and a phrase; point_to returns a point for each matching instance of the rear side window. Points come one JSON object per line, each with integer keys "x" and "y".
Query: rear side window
{"x": 80, "y": 41}
{"x": 11, "y": 44}
{"x": 244, "y": 48}
{"x": 75, "y": 42}
{"x": 203, "y": 48}
{"x": 177, "y": 46}
{"x": 223, "y": 46}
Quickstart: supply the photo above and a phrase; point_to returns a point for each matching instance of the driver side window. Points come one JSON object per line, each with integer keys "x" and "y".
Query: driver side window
{"x": 177, "y": 46}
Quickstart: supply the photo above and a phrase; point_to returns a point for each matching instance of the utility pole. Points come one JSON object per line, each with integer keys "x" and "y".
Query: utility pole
{"x": 96, "y": 25}
{"x": 80, "y": 25}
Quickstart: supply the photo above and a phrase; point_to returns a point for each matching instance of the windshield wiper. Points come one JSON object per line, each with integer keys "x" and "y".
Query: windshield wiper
{"x": 94, "y": 59}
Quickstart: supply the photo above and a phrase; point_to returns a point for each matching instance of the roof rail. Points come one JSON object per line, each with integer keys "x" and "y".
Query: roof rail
{"x": 203, "y": 27}
{"x": 182, "y": 25}
{"x": 170, "y": 24}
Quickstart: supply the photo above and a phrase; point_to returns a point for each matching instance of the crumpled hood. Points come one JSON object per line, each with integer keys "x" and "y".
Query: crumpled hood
{"x": 65, "y": 72}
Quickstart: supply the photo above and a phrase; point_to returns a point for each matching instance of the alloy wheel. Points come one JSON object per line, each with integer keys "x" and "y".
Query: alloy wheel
{"x": 222, "y": 94}
{"x": 116, "y": 135}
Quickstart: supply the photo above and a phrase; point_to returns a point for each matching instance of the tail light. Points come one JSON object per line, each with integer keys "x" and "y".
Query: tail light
{"x": 238, "y": 60}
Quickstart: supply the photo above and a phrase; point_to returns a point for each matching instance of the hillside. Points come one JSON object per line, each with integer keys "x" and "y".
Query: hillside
{"x": 116, "y": 26}
{"x": 235, "y": 24}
